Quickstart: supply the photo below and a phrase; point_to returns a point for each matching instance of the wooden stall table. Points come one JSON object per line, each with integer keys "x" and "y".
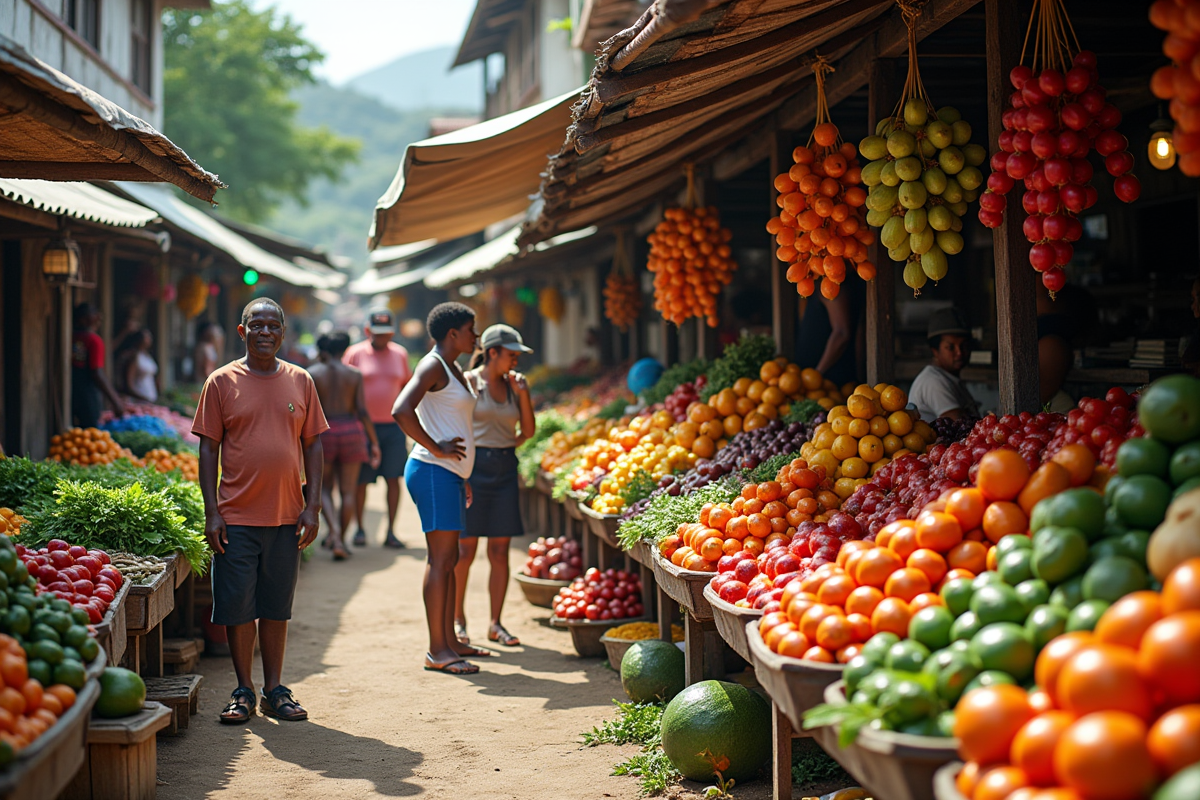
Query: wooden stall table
{"x": 111, "y": 630}
{"x": 121, "y": 762}
{"x": 146, "y": 608}
{"x": 731, "y": 622}
{"x": 703, "y": 648}
{"x": 44, "y": 768}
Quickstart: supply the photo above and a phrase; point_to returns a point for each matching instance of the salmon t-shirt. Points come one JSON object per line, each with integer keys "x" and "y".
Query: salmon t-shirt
{"x": 259, "y": 421}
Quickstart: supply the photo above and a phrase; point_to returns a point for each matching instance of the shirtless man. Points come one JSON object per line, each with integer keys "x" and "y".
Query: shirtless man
{"x": 345, "y": 443}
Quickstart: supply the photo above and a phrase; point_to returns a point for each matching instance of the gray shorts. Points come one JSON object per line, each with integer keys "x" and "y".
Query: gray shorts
{"x": 255, "y": 578}
{"x": 393, "y": 447}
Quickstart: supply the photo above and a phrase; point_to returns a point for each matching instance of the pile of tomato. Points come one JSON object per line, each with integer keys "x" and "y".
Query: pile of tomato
{"x": 601, "y": 596}
{"x": 84, "y": 578}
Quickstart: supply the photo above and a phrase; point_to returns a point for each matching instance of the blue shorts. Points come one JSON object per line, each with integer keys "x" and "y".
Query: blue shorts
{"x": 440, "y": 496}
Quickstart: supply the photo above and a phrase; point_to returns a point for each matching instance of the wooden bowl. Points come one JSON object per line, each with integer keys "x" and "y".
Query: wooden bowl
{"x": 585, "y": 633}
{"x": 539, "y": 591}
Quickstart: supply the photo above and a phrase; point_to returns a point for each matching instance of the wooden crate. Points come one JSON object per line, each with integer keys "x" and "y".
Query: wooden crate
{"x": 684, "y": 586}
{"x": 603, "y": 526}
{"x": 147, "y": 606}
{"x": 122, "y": 757}
{"x": 181, "y": 656}
{"x": 731, "y": 621}
{"x": 111, "y": 631}
{"x": 180, "y": 694}
{"x": 794, "y": 684}
{"x": 46, "y": 767}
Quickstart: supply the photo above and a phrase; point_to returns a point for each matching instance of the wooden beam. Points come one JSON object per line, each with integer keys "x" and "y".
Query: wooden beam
{"x": 74, "y": 171}
{"x": 885, "y": 82}
{"x": 1016, "y": 287}
{"x": 23, "y": 213}
{"x": 783, "y": 293}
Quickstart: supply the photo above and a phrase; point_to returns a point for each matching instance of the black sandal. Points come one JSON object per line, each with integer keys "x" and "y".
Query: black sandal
{"x": 280, "y": 704}
{"x": 497, "y": 633}
{"x": 240, "y": 707}
{"x": 360, "y": 539}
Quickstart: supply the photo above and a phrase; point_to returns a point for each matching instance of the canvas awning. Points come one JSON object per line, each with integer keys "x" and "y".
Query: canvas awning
{"x": 459, "y": 183}
{"x": 490, "y": 255}
{"x": 191, "y": 220}
{"x": 58, "y": 129}
{"x": 78, "y": 201}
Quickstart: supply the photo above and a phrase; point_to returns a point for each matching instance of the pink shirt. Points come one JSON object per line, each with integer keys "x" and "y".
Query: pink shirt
{"x": 384, "y": 374}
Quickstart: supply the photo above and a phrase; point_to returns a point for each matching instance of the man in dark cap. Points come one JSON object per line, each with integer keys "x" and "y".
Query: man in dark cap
{"x": 938, "y": 391}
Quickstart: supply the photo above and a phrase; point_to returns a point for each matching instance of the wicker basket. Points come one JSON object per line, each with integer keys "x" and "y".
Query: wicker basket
{"x": 616, "y": 649}
{"x": 586, "y": 634}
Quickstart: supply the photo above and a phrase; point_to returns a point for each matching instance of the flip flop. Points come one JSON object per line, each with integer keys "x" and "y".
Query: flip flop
{"x": 460, "y": 632}
{"x": 360, "y": 539}
{"x": 458, "y": 667}
{"x": 340, "y": 553}
{"x": 498, "y": 634}
{"x": 394, "y": 543}
{"x": 475, "y": 652}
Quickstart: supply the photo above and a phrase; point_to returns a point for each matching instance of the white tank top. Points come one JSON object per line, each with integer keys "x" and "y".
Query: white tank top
{"x": 448, "y": 414}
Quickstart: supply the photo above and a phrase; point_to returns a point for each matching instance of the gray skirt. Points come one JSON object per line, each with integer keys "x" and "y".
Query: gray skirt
{"x": 495, "y": 510}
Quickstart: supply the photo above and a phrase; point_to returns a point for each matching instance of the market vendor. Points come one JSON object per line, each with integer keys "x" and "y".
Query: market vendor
{"x": 938, "y": 391}
{"x": 89, "y": 382}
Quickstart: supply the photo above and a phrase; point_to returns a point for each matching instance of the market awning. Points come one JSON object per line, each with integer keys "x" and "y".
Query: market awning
{"x": 694, "y": 81}
{"x": 459, "y": 183}
{"x": 492, "y": 254}
{"x": 78, "y": 201}
{"x": 58, "y": 129}
{"x": 375, "y": 281}
{"x": 191, "y": 220}
{"x": 386, "y": 255}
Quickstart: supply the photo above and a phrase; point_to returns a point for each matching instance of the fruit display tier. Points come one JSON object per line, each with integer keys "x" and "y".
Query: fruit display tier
{"x": 46, "y": 766}
{"x": 147, "y": 606}
{"x": 944, "y": 786}
{"x": 539, "y": 592}
{"x": 110, "y": 631}
{"x": 586, "y": 633}
{"x": 795, "y": 685}
{"x": 684, "y": 586}
{"x": 893, "y": 766}
{"x": 574, "y": 505}
{"x": 731, "y": 621}
{"x": 603, "y": 526}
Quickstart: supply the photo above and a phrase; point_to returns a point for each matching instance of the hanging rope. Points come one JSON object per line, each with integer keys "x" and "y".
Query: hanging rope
{"x": 910, "y": 13}
{"x": 1054, "y": 39}
{"x": 821, "y": 69}
{"x": 689, "y": 169}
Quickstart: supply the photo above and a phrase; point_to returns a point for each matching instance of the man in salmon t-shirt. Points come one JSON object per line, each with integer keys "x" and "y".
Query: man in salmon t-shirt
{"x": 262, "y": 419}
{"x": 385, "y": 370}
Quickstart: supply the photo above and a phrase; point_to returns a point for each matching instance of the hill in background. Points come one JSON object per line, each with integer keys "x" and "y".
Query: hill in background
{"x": 424, "y": 80}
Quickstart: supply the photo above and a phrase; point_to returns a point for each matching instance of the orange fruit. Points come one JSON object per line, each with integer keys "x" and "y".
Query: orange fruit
{"x": 1033, "y": 747}
{"x": 834, "y": 633}
{"x": 967, "y": 506}
{"x": 1169, "y": 654}
{"x": 926, "y": 599}
{"x": 847, "y": 653}
{"x": 968, "y": 778}
{"x": 1002, "y": 474}
{"x": 14, "y": 669}
{"x": 1181, "y": 589}
{"x": 1040, "y": 701}
{"x": 12, "y": 701}
{"x": 776, "y": 634}
{"x": 907, "y": 583}
{"x": 812, "y": 618}
{"x": 999, "y": 783}
{"x": 971, "y": 556}
{"x": 1104, "y": 756}
{"x": 1002, "y": 518}
{"x": 937, "y": 530}
{"x": 52, "y": 704}
{"x": 876, "y": 566}
{"x": 820, "y": 654}
{"x": 33, "y": 695}
{"x": 904, "y": 542}
{"x": 1103, "y": 677}
{"x": 1079, "y": 462}
{"x": 988, "y": 719}
{"x": 7, "y": 721}
{"x": 860, "y": 627}
{"x": 928, "y": 561}
{"x": 1054, "y": 655}
{"x": 835, "y": 590}
{"x": 1050, "y": 479}
{"x": 64, "y": 693}
{"x": 892, "y": 614}
{"x": 1174, "y": 740}
{"x": 1126, "y": 620}
{"x": 863, "y": 600}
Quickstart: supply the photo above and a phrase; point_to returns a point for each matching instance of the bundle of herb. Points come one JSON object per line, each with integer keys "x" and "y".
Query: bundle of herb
{"x": 665, "y": 513}
{"x": 562, "y": 480}
{"x": 767, "y": 470}
{"x": 25, "y": 484}
{"x": 127, "y": 518}
{"x": 674, "y": 376}
{"x": 802, "y": 411}
{"x": 742, "y": 359}
{"x": 640, "y": 485}
{"x": 141, "y": 442}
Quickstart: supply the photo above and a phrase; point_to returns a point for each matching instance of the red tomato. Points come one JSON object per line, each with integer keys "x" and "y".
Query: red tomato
{"x": 77, "y": 551}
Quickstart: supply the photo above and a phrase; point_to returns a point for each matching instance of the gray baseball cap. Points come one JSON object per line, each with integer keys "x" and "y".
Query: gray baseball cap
{"x": 947, "y": 320}
{"x": 380, "y": 320}
{"x": 503, "y": 336}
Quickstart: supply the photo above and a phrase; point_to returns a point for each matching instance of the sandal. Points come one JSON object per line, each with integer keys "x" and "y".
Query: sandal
{"x": 457, "y": 667}
{"x": 360, "y": 539}
{"x": 340, "y": 553}
{"x": 497, "y": 633}
{"x": 391, "y": 541}
{"x": 280, "y": 704}
{"x": 460, "y": 632}
{"x": 240, "y": 707}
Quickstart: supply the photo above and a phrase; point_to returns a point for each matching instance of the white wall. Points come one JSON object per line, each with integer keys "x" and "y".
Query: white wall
{"x": 560, "y": 64}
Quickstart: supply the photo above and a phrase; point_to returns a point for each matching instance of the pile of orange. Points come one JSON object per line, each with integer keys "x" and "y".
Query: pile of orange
{"x": 86, "y": 446}
{"x": 753, "y": 402}
{"x": 821, "y": 229}
{"x": 622, "y": 300}
{"x": 865, "y": 434}
{"x": 10, "y": 521}
{"x": 165, "y": 461}
{"x": 691, "y": 260}
{"x": 763, "y": 513}
{"x": 26, "y": 710}
{"x": 565, "y": 447}
{"x": 1116, "y": 711}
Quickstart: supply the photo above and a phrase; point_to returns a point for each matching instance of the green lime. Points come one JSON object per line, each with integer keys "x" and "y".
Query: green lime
{"x": 1191, "y": 484}
{"x": 20, "y": 574}
{"x": 960, "y": 646}
{"x": 88, "y": 650}
{"x": 876, "y": 648}
{"x": 907, "y": 656}
{"x": 72, "y": 673}
{"x": 3, "y": 580}
{"x": 1185, "y": 463}
{"x": 1133, "y": 544}
{"x": 1105, "y": 548}
{"x": 1142, "y": 501}
{"x": 957, "y": 595}
{"x": 997, "y": 603}
{"x": 48, "y": 651}
{"x": 60, "y": 605}
{"x": 1058, "y": 553}
{"x": 17, "y": 620}
{"x": 986, "y": 579}
{"x": 42, "y": 672}
{"x": 1143, "y": 455}
{"x": 952, "y": 680}
{"x": 1016, "y": 566}
{"x": 966, "y": 626}
{"x": 1112, "y": 578}
{"x": 1183, "y": 785}
{"x": 43, "y": 632}
{"x": 1068, "y": 594}
{"x": 874, "y": 684}
{"x": 907, "y": 701}
{"x": 1045, "y": 622}
{"x": 8, "y": 562}
{"x": 1033, "y": 593}
{"x": 857, "y": 669}
{"x": 926, "y": 726}
{"x": 937, "y": 661}
{"x": 931, "y": 627}
{"x": 80, "y": 617}
{"x": 945, "y": 723}
{"x": 75, "y": 636}
{"x": 1004, "y": 646}
{"x": 1170, "y": 409}
{"x": 3, "y": 599}
{"x": 1110, "y": 488}
{"x": 1080, "y": 508}
{"x": 1085, "y": 615}
{"x": 59, "y": 620}
{"x": 1113, "y": 524}
{"x": 1011, "y": 542}
{"x": 990, "y": 677}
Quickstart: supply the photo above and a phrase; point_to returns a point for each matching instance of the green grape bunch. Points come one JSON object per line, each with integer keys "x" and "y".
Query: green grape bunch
{"x": 922, "y": 172}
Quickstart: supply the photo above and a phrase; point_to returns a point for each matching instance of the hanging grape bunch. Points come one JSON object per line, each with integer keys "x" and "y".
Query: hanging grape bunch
{"x": 1177, "y": 81}
{"x": 1057, "y": 116}
{"x": 622, "y": 300}
{"x": 821, "y": 230}
{"x": 691, "y": 260}
{"x": 923, "y": 171}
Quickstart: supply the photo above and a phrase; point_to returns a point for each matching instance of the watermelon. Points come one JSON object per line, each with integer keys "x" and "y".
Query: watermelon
{"x": 122, "y": 693}
{"x": 725, "y": 720}
{"x": 652, "y": 671}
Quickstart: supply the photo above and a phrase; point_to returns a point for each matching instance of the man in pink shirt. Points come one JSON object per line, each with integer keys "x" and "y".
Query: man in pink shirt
{"x": 385, "y": 370}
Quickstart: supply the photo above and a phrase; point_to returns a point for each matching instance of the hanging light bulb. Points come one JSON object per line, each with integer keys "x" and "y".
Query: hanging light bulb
{"x": 1161, "y": 151}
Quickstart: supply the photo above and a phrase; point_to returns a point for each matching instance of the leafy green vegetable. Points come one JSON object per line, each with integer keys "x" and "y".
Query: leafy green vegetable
{"x": 672, "y": 377}
{"x": 531, "y": 451}
{"x": 141, "y": 442}
{"x": 665, "y": 513}
{"x": 640, "y": 485}
{"x": 801, "y": 411}
{"x": 850, "y": 717}
{"x": 767, "y": 470}
{"x": 615, "y": 409}
{"x": 655, "y": 770}
{"x": 25, "y": 484}
{"x": 562, "y": 482}
{"x": 742, "y": 359}
{"x": 636, "y": 723}
{"x": 812, "y": 765}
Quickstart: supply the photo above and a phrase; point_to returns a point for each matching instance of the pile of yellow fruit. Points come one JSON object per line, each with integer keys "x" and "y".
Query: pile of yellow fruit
{"x": 165, "y": 461}
{"x": 650, "y": 446}
{"x": 640, "y": 631}
{"x": 86, "y": 447}
{"x": 860, "y": 437}
{"x": 10, "y": 522}
{"x": 564, "y": 447}
{"x": 752, "y": 403}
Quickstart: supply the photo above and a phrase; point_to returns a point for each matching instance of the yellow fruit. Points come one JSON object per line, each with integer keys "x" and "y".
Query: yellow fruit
{"x": 860, "y": 407}
{"x": 755, "y": 391}
{"x": 837, "y": 411}
{"x": 769, "y": 370}
{"x": 892, "y": 443}
{"x": 870, "y": 449}
{"x": 900, "y": 423}
{"x": 740, "y": 386}
{"x": 914, "y": 442}
{"x": 844, "y": 447}
{"x": 823, "y": 440}
{"x": 925, "y": 431}
{"x": 826, "y": 459}
{"x": 767, "y": 410}
{"x": 774, "y": 396}
{"x": 840, "y": 425}
{"x": 854, "y": 468}
{"x": 732, "y": 425}
{"x": 859, "y": 428}
{"x": 866, "y": 391}
{"x": 826, "y": 402}
{"x": 811, "y": 379}
{"x": 893, "y": 398}
{"x": 879, "y": 426}
{"x": 844, "y": 487}
{"x": 880, "y": 464}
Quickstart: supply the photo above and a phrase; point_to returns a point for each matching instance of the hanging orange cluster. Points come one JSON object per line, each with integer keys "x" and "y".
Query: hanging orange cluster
{"x": 691, "y": 260}
{"x": 1177, "y": 81}
{"x": 622, "y": 300}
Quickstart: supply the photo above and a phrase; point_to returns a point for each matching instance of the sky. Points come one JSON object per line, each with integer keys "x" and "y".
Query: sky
{"x": 359, "y": 35}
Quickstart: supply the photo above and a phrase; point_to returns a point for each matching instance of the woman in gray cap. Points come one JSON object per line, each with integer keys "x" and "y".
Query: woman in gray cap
{"x": 503, "y": 419}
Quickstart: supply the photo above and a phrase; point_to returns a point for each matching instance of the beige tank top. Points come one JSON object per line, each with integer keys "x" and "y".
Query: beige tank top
{"x": 495, "y": 423}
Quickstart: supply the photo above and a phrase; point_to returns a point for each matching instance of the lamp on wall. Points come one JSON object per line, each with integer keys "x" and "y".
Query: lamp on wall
{"x": 1161, "y": 151}
{"x": 60, "y": 260}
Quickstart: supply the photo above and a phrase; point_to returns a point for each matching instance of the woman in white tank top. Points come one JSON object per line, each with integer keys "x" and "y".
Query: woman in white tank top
{"x": 435, "y": 409}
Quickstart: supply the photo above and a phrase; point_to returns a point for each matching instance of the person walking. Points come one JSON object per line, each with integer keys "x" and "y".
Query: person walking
{"x": 340, "y": 389}
{"x": 137, "y": 369}
{"x": 503, "y": 419}
{"x": 436, "y": 410}
{"x": 260, "y": 421}
{"x": 89, "y": 382}
{"x": 385, "y": 370}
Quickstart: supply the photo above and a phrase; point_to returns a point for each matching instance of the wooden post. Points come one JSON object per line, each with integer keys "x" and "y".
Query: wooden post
{"x": 884, "y": 84}
{"x": 781, "y": 764}
{"x": 66, "y": 330}
{"x": 783, "y": 293}
{"x": 1016, "y": 287}
{"x": 162, "y": 334}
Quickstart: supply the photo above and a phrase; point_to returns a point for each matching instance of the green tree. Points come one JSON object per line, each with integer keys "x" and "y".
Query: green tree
{"x": 229, "y": 75}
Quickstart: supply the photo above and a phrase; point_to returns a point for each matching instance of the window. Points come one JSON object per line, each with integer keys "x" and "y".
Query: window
{"x": 142, "y": 31}
{"x": 83, "y": 16}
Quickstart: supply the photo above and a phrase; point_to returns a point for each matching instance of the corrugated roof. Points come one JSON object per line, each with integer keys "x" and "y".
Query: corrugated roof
{"x": 77, "y": 200}
{"x": 491, "y": 254}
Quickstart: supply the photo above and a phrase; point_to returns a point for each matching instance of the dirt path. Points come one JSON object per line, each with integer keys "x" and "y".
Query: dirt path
{"x": 380, "y": 725}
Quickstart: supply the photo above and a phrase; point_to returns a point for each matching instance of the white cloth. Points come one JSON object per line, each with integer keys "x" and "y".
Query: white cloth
{"x": 144, "y": 370}
{"x": 936, "y": 391}
{"x": 448, "y": 414}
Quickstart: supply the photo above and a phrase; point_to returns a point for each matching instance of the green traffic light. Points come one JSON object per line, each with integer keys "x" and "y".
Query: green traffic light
{"x": 250, "y": 277}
